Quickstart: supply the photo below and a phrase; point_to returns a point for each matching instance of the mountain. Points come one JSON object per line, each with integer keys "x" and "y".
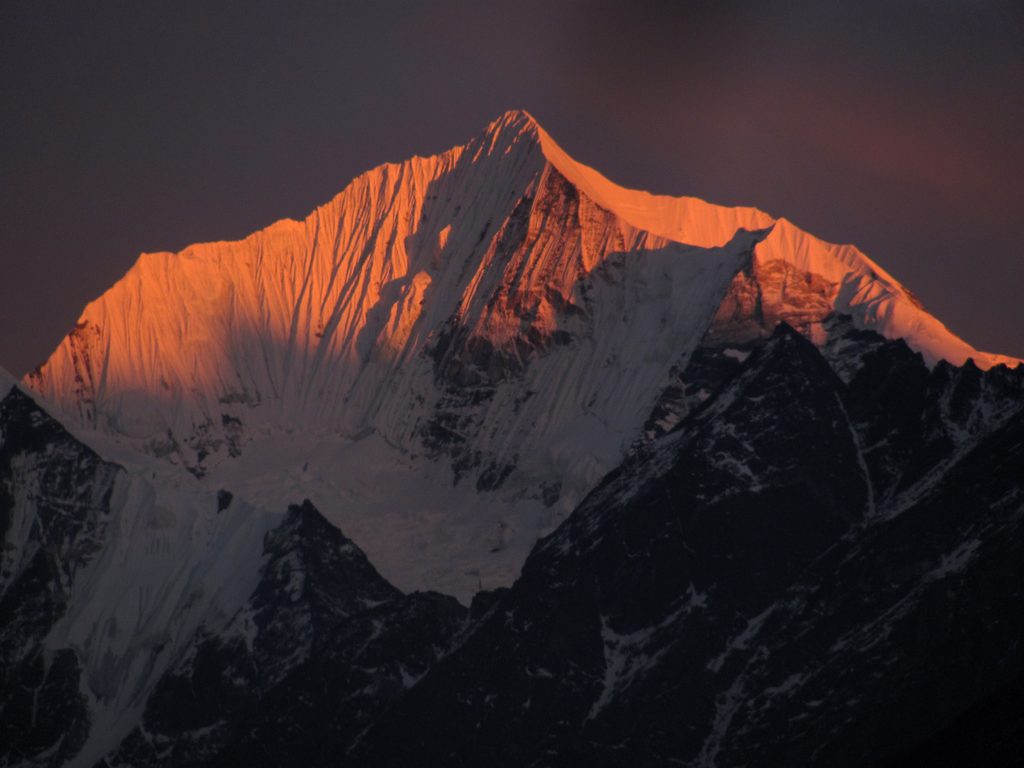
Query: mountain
{"x": 321, "y": 647}
{"x": 54, "y": 501}
{"x": 740, "y": 594}
{"x": 498, "y": 315}
{"x": 106, "y": 575}
{"x": 492, "y": 461}
{"x": 134, "y": 605}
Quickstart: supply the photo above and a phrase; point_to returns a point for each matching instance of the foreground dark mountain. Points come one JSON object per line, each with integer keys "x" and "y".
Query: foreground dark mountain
{"x": 54, "y": 509}
{"x": 323, "y": 645}
{"x": 795, "y": 617}
{"x": 806, "y": 571}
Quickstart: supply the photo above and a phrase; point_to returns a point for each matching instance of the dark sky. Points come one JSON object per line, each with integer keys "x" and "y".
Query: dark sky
{"x": 129, "y": 127}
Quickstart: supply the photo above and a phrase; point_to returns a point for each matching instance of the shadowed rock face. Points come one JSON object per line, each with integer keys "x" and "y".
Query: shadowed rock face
{"x": 54, "y": 506}
{"x": 766, "y": 293}
{"x": 743, "y": 592}
{"x": 321, "y": 647}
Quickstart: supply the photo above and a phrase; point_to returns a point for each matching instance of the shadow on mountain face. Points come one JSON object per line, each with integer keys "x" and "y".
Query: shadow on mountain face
{"x": 733, "y": 597}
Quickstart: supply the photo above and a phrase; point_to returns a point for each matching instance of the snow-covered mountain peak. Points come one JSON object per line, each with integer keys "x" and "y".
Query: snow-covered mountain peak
{"x": 452, "y": 351}
{"x": 515, "y": 122}
{"x": 806, "y": 278}
{"x": 681, "y": 219}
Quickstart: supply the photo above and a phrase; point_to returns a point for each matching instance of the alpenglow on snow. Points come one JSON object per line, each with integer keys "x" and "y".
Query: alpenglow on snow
{"x": 447, "y": 356}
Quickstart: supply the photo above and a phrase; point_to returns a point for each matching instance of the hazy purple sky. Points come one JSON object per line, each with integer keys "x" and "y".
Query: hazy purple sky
{"x": 130, "y": 127}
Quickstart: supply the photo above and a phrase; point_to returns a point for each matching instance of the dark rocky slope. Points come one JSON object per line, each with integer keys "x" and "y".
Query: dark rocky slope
{"x": 54, "y": 507}
{"x": 804, "y": 573}
{"x": 821, "y": 563}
